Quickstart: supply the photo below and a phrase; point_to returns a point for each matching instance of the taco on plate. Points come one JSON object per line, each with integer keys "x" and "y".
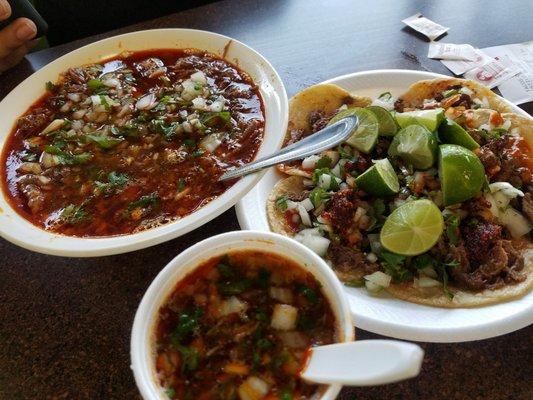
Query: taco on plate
{"x": 431, "y": 199}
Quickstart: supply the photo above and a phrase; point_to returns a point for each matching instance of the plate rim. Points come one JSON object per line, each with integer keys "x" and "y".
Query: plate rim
{"x": 451, "y": 334}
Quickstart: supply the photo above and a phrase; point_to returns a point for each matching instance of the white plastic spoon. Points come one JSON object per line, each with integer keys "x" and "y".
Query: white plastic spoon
{"x": 363, "y": 363}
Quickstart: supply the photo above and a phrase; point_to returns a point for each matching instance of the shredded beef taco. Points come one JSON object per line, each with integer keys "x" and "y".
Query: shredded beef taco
{"x": 438, "y": 213}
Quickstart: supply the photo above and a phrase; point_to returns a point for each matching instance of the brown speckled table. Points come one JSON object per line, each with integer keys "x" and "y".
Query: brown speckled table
{"x": 65, "y": 323}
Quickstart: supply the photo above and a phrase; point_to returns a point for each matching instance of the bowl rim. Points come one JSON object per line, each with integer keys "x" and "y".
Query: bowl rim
{"x": 184, "y": 263}
{"x": 18, "y": 230}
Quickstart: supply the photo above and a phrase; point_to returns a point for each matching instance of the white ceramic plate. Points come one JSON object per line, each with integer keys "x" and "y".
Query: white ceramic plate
{"x": 21, "y": 232}
{"x": 389, "y": 316}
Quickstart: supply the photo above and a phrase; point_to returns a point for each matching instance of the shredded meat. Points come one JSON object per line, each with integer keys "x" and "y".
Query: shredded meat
{"x": 299, "y": 196}
{"x": 500, "y": 162}
{"x": 318, "y": 120}
{"x": 34, "y": 122}
{"x": 479, "y": 238}
{"x": 398, "y": 105}
{"x": 341, "y": 209}
{"x": 350, "y": 262}
{"x": 527, "y": 206}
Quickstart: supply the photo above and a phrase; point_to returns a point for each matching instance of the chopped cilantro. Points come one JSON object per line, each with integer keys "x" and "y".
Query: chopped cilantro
{"x": 190, "y": 358}
{"x": 214, "y": 119}
{"x": 144, "y": 202}
{"x": 96, "y": 86}
{"x": 449, "y": 93}
{"x": 105, "y": 142}
{"x": 190, "y": 143}
{"x": 115, "y": 183}
{"x": 188, "y": 322}
{"x": 72, "y": 214}
{"x": 308, "y": 293}
{"x": 423, "y": 261}
{"x": 318, "y": 196}
{"x": 393, "y": 265}
{"x": 198, "y": 153}
{"x": 50, "y": 86}
{"x": 452, "y": 222}
{"x": 324, "y": 162}
{"x": 67, "y": 158}
{"x": 170, "y": 392}
{"x": 181, "y": 184}
{"x": 281, "y": 202}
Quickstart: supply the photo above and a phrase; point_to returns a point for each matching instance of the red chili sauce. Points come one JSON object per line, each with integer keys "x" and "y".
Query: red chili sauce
{"x": 132, "y": 142}
{"x": 240, "y": 327}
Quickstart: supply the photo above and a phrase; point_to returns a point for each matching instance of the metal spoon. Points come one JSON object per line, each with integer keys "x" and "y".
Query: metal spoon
{"x": 363, "y": 363}
{"x": 322, "y": 140}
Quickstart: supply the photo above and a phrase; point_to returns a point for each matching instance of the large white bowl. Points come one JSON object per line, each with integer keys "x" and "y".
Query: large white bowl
{"x": 18, "y": 230}
{"x": 142, "y": 336}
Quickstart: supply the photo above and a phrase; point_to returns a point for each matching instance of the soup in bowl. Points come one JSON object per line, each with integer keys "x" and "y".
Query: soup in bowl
{"x": 235, "y": 317}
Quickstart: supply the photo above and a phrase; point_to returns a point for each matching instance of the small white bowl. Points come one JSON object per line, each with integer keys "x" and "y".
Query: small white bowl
{"x": 142, "y": 337}
{"x": 18, "y": 230}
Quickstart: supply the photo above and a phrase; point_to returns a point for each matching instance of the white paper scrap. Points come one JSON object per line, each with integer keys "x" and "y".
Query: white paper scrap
{"x": 519, "y": 88}
{"x": 460, "y": 67}
{"x": 491, "y": 74}
{"x": 450, "y": 51}
{"x": 425, "y": 26}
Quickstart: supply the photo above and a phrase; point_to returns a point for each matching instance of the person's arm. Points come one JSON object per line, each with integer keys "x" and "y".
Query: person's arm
{"x": 15, "y": 39}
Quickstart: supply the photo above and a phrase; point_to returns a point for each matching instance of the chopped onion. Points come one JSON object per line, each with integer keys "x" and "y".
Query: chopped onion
{"x": 78, "y": 114}
{"x": 387, "y": 105}
{"x": 291, "y": 205}
{"x": 232, "y": 305}
{"x": 53, "y": 126}
{"x": 428, "y": 271}
{"x": 284, "y": 317}
{"x": 373, "y": 288}
{"x": 199, "y": 103}
{"x": 379, "y": 278}
{"x": 425, "y": 282}
{"x": 371, "y": 257}
{"x": 506, "y": 124}
{"x": 316, "y": 243}
{"x": 307, "y": 204}
{"x": 199, "y": 77}
{"x": 515, "y": 222}
{"x": 253, "y": 388}
{"x": 466, "y": 90}
{"x": 190, "y": 90}
{"x": 111, "y": 82}
{"x": 506, "y": 188}
{"x": 308, "y": 183}
{"x": 306, "y": 220}
{"x": 211, "y": 142}
{"x": 281, "y": 294}
{"x": 75, "y": 97}
{"x": 187, "y": 127}
{"x": 146, "y": 102}
{"x": 48, "y": 160}
{"x": 310, "y": 232}
{"x": 336, "y": 170}
{"x": 310, "y": 162}
{"x": 218, "y": 104}
{"x": 294, "y": 339}
{"x": 324, "y": 181}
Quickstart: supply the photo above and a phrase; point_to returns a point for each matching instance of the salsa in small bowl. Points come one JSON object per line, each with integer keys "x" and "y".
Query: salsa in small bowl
{"x": 234, "y": 317}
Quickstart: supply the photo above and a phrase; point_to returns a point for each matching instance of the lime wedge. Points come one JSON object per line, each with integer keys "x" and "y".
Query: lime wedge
{"x": 386, "y": 123}
{"x": 431, "y": 119}
{"x": 412, "y": 228}
{"x": 461, "y": 173}
{"x": 416, "y": 146}
{"x": 451, "y": 132}
{"x": 379, "y": 180}
{"x": 366, "y": 135}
